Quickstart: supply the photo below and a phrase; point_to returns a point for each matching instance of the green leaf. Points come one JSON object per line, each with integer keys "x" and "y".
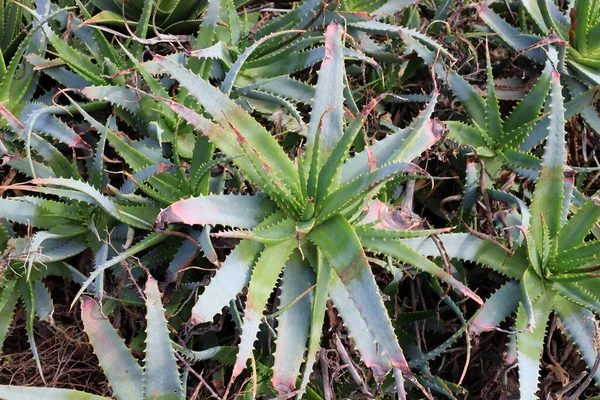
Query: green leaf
{"x": 579, "y": 326}
{"x": 126, "y": 98}
{"x": 230, "y": 115}
{"x": 329, "y": 174}
{"x": 28, "y": 297}
{"x": 471, "y": 135}
{"x": 280, "y": 229}
{"x": 578, "y": 226}
{"x": 122, "y": 370}
{"x": 528, "y": 109}
{"x": 223, "y": 354}
{"x": 272, "y": 67}
{"x": 498, "y": 307}
{"x": 29, "y": 212}
{"x": 493, "y": 119}
{"x": 441, "y": 349}
{"x": 577, "y": 294}
{"x": 102, "y": 201}
{"x": 530, "y": 346}
{"x": 393, "y": 6}
{"x": 358, "y": 330}
{"x": 401, "y": 146}
{"x": 142, "y": 28}
{"x": 533, "y": 8}
{"x": 230, "y": 210}
{"x": 471, "y": 184}
{"x": 262, "y": 282}
{"x": 39, "y": 118}
{"x": 359, "y": 187}
{"x": 149, "y": 241}
{"x": 233, "y": 143}
{"x": 319, "y": 306}
{"x": 548, "y": 196}
{"x": 110, "y": 18}
{"x": 390, "y": 233}
{"x": 509, "y": 34}
{"x": 328, "y": 105}
{"x": 293, "y": 324}
{"x": 8, "y": 302}
{"x": 578, "y": 258}
{"x": 299, "y": 18}
{"x": 161, "y": 374}
{"x": 8, "y": 78}
{"x": 33, "y": 393}
{"x": 53, "y": 157}
{"x": 580, "y": 24}
{"x": 342, "y": 249}
{"x": 44, "y": 307}
{"x": 229, "y": 280}
{"x": 78, "y": 61}
{"x": 206, "y": 33}
{"x": 470, "y": 248}
{"x": 407, "y": 255}
{"x": 135, "y": 159}
{"x": 233, "y": 72}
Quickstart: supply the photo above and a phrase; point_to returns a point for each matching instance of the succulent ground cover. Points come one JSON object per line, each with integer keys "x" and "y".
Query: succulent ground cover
{"x": 314, "y": 199}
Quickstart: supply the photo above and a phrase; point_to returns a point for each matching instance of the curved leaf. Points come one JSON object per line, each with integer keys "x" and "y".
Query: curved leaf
{"x": 230, "y": 210}
{"x": 161, "y": 376}
{"x": 293, "y": 323}
{"x": 342, "y": 249}
{"x": 497, "y": 308}
{"x": 262, "y": 282}
{"x": 405, "y": 254}
{"x": 470, "y": 248}
{"x": 122, "y": 370}
{"x": 328, "y": 106}
{"x": 231, "y": 278}
{"x": 579, "y": 324}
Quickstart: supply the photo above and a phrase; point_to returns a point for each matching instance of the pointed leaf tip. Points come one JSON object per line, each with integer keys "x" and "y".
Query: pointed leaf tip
{"x": 330, "y": 40}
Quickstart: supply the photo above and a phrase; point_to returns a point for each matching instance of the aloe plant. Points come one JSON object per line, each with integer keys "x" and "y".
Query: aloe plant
{"x": 251, "y": 72}
{"x": 19, "y": 284}
{"x": 18, "y": 80}
{"x": 171, "y": 17}
{"x": 85, "y": 214}
{"x": 495, "y": 139}
{"x": 577, "y": 29}
{"x": 552, "y": 271}
{"x": 559, "y": 275}
{"x": 12, "y": 23}
{"x": 306, "y": 222}
{"x": 159, "y": 379}
{"x": 504, "y": 140}
{"x": 79, "y": 217}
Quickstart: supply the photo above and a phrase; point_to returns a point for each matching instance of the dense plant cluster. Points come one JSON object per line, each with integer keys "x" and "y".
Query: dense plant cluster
{"x": 315, "y": 199}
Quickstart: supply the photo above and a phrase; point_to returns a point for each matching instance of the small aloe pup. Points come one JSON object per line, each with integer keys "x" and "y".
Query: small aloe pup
{"x": 307, "y": 223}
{"x": 554, "y": 270}
{"x": 159, "y": 379}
